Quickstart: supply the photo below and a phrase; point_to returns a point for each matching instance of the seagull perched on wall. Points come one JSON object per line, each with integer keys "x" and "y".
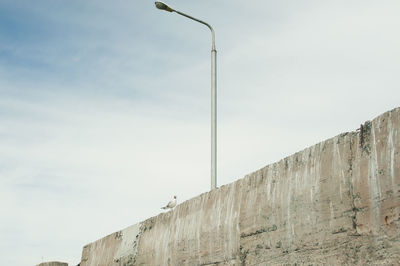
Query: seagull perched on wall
{"x": 170, "y": 204}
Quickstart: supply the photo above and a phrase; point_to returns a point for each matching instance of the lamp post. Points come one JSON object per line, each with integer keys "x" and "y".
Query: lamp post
{"x": 162, "y": 6}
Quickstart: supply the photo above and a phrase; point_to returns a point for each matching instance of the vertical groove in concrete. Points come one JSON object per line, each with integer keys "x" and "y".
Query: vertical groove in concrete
{"x": 337, "y": 202}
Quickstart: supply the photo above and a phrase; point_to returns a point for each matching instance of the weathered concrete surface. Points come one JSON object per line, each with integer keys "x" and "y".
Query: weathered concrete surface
{"x": 53, "y": 263}
{"x": 116, "y": 249}
{"x": 337, "y": 203}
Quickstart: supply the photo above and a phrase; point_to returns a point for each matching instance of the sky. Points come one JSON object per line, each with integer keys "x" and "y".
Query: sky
{"x": 105, "y": 105}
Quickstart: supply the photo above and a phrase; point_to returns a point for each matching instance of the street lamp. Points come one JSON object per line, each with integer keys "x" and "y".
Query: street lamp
{"x": 162, "y": 6}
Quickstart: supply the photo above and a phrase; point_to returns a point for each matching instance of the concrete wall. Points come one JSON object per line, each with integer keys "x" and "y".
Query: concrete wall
{"x": 337, "y": 202}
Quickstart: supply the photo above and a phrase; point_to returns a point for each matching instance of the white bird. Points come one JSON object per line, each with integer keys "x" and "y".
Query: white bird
{"x": 170, "y": 204}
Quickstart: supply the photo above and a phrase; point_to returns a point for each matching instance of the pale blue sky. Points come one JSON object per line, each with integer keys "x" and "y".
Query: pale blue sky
{"x": 105, "y": 105}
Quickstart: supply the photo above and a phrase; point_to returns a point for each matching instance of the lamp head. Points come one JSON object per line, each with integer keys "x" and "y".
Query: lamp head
{"x": 162, "y": 6}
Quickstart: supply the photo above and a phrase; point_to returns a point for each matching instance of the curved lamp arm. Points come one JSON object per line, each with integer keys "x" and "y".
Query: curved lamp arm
{"x": 163, "y": 6}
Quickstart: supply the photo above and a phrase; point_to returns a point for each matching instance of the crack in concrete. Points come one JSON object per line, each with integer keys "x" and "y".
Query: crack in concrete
{"x": 351, "y": 187}
{"x": 260, "y": 231}
{"x": 217, "y": 262}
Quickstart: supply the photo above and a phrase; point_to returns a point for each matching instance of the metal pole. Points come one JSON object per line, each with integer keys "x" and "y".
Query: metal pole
{"x": 213, "y": 118}
{"x": 163, "y": 6}
{"x": 213, "y": 102}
